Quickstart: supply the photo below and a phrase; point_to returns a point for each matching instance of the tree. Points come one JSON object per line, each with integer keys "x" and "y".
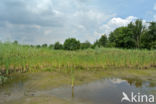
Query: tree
{"x": 129, "y": 36}
{"x": 148, "y": 39}
{"x": 51, "y": 46}
{"x": 85, "y": 45}
{"x": 15, "y": 42}
{"x": 138, "y": 29}
{"x": 103, "y": 40}
{"x": 95, "y": 44}
{"x": 152, "y": 34}
{"x": 71, "y": 44}
{"x": 58, "y": 45}
{"x": 44, "y": 45}
{"x": 122, "y": 37}
{"x": 38, "y": 46}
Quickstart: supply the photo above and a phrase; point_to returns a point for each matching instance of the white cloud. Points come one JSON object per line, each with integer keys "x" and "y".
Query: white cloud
{"x": 48, "y": 21}
{"x": 116, "y": 22}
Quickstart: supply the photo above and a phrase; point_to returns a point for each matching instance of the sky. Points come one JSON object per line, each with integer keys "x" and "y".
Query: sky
{"x": 48, "y": 21}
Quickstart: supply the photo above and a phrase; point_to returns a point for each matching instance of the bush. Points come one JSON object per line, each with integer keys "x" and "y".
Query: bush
{"x": 44, "y": 45}
{"x": 103, "y": 41}
{"x": 15, "y": 42}
{"x": 51, "y": 46}
{"x": 85, "y": 45}
{"x": 38, "y": 46}
{"x": 58, "y": 45}
{"x": 71, "y": 44}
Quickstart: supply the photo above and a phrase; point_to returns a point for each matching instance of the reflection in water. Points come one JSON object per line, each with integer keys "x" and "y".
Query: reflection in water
{"x": 138, "y": 82}
{"x": 72, "y": 92}
{"x": 105, "y": 91}
{"x": 134, "y": 81}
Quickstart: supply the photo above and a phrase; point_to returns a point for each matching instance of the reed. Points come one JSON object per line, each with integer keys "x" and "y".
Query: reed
{"x": 20, "y": 58}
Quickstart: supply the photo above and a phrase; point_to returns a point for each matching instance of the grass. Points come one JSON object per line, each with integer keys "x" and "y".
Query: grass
{"x": 24, "y": 58}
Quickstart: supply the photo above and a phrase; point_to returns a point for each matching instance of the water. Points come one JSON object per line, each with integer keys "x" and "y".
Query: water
{"x": 104, "y": 91}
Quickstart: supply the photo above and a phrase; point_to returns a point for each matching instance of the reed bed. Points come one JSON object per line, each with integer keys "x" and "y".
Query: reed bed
{"x": 20, "y": 58}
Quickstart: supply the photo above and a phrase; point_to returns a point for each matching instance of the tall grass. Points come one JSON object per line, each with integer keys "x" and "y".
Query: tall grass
{"x": 20, "y": 58}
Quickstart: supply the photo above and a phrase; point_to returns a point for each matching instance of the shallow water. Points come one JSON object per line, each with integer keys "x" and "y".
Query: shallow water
{"x": 104, "y": 91}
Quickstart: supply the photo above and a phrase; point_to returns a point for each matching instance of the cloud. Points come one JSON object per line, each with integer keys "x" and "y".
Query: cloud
{"x": 48, "y": 21}
{"x": 116, "y": 22}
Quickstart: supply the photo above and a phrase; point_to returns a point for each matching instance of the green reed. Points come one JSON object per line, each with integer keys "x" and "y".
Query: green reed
{"x": 18, "y": 58}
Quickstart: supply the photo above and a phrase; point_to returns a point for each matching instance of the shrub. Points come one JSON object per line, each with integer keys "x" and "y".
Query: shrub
{"x": 44, "y": 45}
{"x": 58, "y": 45}
{"x": 71, "y": 44}
{"x": 85, "y": 45}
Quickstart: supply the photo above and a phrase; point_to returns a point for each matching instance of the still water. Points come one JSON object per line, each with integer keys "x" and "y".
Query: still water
{"x": 104, "y": 91}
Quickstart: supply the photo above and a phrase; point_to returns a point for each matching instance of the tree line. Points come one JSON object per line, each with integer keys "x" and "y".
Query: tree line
{"x": 135, "y": 35}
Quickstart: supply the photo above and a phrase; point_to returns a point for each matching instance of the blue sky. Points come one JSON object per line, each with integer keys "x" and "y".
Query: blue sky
{"x": 48, "y": 21}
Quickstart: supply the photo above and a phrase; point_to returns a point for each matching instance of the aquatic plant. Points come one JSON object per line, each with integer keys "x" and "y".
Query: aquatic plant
{"x": 23, "y": 58}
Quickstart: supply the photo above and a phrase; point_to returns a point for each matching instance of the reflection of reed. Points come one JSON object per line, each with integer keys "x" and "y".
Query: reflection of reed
{"x": 134, "y": 81}
{"x": 72, "y": 92}
{"x": 72, "y": 81}
{"x": 72, "y": 75}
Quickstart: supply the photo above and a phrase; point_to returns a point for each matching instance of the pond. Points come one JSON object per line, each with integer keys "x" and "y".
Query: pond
{"x": 103, "y": 91}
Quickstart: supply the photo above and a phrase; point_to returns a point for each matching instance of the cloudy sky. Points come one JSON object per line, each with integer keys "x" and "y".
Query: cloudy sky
{"x": 48, "y": 21}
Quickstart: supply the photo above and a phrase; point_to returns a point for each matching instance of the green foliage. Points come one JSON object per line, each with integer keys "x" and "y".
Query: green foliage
{"x": 103, "y": 41}
{"x": 148, "y": 38}
{"x": 96, "y": 44}
{"x": 135, "y": 35}
{"x": 122, "y": 37}
{"x": 38, "y": 46}
{"x": 58, "y": 45}
{"x": 44, "y": 45}
{"x": 85, "y": 45}
{"x": 15, "y": 42}
{"x": 51, "y": 46}
{"x": 138, "y": 29}
{"x": 71, "y": 44}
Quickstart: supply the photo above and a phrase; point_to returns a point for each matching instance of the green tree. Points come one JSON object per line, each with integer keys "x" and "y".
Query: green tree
{"x": 71, "y": 44}
{"x": 51, "y": 46}
{"x": 95, "y": 44}
{"x": 58, "y": 46}
{"x": 138, "y": 29}
{"x": 44, "y": 45}
{"x": 148, "y": 39}
{"x": 122, "y": 37}
{"x": 103, "y": 40}
{"x": 85, "y": 45}
{"x": 15, "y": 42}
{"x": 38, "y": 46}
{"x": 152, "y": 34}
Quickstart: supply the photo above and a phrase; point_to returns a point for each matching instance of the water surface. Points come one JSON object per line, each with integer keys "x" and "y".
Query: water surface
{"x": 104, "y": 91}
